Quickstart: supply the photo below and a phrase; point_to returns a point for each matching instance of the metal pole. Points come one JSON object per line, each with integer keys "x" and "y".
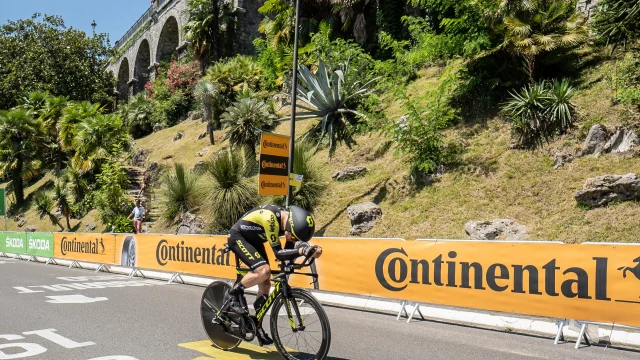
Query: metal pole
{"x": 294, "y": 92}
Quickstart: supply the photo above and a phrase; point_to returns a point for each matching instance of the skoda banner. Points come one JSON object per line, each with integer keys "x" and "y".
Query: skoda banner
{"x": 40, "y": 244}
{"x": 13, "y": 242}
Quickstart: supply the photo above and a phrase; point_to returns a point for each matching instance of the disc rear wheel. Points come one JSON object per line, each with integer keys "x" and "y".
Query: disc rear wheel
{"x": 213, "y": 298}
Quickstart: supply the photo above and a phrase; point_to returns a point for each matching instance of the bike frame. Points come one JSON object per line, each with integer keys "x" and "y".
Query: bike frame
{"x": 281, "y": 287}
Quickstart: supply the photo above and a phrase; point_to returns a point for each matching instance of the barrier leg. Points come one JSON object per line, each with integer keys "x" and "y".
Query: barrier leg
{"x": 51, "y": 261}
{"x": 559, "y": 334}
{"x": 75, "y": 263}
{"x": 18, "y": 257}
{"x": 32, "y": 257}
{"x": 134, "y": 272}
{"x": 402, "y": 309}
{"x": 416, "y": 307}
{"x": 583, "y": 335}
{"x": 175, "y": 276}
{"x": 102, "y": 267}
{"x": 2, "y": 254}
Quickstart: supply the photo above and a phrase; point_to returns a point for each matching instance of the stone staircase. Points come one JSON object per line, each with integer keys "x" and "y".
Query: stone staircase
{"x": 139, "y": 189}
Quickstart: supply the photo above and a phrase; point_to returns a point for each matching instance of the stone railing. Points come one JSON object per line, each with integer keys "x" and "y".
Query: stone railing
{"x": 138, "y": 24}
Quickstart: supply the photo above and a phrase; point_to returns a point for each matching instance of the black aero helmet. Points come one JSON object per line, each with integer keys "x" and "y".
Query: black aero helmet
{"x": 300, "y": 224}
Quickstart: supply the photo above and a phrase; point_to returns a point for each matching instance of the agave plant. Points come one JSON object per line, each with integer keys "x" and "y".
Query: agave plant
{"x": 330, "y": 94}
{"x": 246, "y": 119}
{"x": 181, "y": 192}
{"x": 232, "y": 194}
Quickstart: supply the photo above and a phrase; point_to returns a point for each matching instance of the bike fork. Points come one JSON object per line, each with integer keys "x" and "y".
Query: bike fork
{"x": 288, "y": 300}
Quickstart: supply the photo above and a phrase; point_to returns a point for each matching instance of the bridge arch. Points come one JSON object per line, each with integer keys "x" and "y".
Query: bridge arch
{"x": 123, "y": 80}
{"x": 143, "y": 62}
{"x": 168, "y": 41}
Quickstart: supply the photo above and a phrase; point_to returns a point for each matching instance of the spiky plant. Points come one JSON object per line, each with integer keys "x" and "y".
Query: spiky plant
{"x": 308, "y": 194}
{"x": 232, "y": 194}
{"x": 331, "y": 95}
{"x": 182, "y": 193}
{"x": 43, "y": 204}
{"x": 61, "y": 199}
{"x": 617, "y": 21}
{"x": 245, "y": 121}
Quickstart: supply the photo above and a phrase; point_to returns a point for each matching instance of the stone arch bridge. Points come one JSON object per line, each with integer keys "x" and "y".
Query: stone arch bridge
{"x": 158, "y": 35}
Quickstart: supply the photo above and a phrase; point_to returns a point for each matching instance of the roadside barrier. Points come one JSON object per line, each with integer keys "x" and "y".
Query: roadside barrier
{"x": 598, "y": 283}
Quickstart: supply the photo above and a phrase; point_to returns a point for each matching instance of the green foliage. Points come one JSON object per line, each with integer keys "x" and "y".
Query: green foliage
{"x": 419, "y": 135}
{"x": 110, "y": 198}
{"x": 540, "y": 111}
{"x": 41, "y": 53}
{"x": 20, "y": 146}
{"x": 617, "y": 20}
{"x": 204, "y": 29}
{"x": 308, "y": 195}
{"x": 232, "y": 194}
{"x": 100, "y": 139}
{"x": 137, "y": 116}
{"x": 61, "y": 198}
{"x": 626, "y": 81}
{"x": 331, "y": 94}
{"x": 245, "y": 121}
{"x": 43, "y": 204}
{"x": 72, "y": 117}
{"x": 177, "y": 107}
{"x": 181, "y": 192}
{"x": 123, "y": 225}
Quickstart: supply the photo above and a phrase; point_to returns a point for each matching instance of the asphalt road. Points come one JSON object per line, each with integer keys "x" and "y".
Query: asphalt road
{"x": 111, "y": 317}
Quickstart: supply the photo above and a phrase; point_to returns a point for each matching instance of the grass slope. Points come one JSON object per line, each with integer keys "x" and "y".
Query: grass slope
{"x": 491, "y": 181}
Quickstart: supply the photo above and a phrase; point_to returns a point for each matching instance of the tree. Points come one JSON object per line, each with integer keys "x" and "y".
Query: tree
{"x": 41, "y": 53}
{"x": 51, "y": 114}
{"x": 246, "y": 119}
{"x": 43, "y": 203}
{"x": 542, "y": 27}
{"x": 20, "y": 135}
{"x": 72, "y": 116}
{"x": 617, "y": 20}
{"x": 61, "y": 198}
{"x": 100, "y": 138}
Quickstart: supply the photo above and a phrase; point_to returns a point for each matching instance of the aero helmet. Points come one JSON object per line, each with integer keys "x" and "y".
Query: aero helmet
{"x": 300, "y": 224}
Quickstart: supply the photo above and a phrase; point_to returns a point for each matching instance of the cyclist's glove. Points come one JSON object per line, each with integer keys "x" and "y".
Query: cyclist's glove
{"x": 309, "y": 251}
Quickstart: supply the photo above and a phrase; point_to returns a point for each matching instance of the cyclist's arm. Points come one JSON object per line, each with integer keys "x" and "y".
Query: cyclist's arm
{"x": 286, "y": 254}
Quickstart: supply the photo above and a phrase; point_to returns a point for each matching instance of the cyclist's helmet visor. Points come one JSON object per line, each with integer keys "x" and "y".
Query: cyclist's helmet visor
{"x": 301, "y": 224}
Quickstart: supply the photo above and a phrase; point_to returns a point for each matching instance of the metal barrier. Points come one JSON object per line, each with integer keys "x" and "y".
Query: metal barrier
{"x": 134, "y": 28}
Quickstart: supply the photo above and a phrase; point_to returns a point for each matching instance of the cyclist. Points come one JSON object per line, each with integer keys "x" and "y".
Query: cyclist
{"x": 246, "y": 239}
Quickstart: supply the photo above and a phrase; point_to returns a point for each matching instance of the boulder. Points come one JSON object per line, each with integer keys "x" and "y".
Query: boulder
{"x": 623, "y": 140}
{"x": 199, "y": 166}
{"x": 157, "y": 127}
{"x": 189, "y": 223}
{"x": 601, "y": 190}
{"x": 403, "y": 122}
{"x": 30, "y": 229}
{"x": 202, "y": 152}
{"x": 349, "y": 173}
{"x": 90, "y": 226}
{"x": 363, "y": 217}
{"x": 596, "y": 140}
{"x": 139, "y": 157}
{"x": 178, "y": 136}
{"x": 21, "y": 222}
{"x": 559, "y": 159}
{"x": 503, "y": 229}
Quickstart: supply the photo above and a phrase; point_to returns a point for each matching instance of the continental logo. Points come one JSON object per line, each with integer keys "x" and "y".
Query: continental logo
{"x": 95, "y": 247}
{"x": 395, "y": 270}
{"x": 196, "y": 255}
{"x": 269, "y": 184}
{"x": 270, "y": 144}
{"x": 273, "y": 165}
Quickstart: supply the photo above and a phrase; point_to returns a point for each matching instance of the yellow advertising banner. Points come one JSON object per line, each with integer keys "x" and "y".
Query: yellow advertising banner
{"x": 273, "y": 178}
{"x": 192, "y": 254}
{"x": 97, "y": 248}
{"x": 589, "y": 282}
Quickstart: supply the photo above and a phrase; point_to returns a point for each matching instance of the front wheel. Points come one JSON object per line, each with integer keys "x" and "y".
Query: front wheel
{"x": 300, "y": 327}
{"x": 212, "y": 301}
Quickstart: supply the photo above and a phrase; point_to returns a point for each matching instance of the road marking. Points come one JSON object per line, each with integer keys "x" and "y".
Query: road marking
{"x": 92, "y": 278}
{"x": 50, "y": 335}
{"x": 88, "y": 285}
{"x": 244, "y": 351}
{"x": 74, "y": 299}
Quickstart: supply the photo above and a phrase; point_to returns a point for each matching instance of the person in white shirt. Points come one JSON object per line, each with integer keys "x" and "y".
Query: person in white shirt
{"x": 138, "y": 214}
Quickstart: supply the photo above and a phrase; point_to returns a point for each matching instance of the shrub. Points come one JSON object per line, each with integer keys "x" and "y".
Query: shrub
{"x": 110, "y": 198}
{"x": 307, "y": 195}
{"x": 122, "y": 225}
{"x": 177, "y": 107}
{"x": 232, "y": 194}
{"x": 138, "y": 116}
{"x": 181, "y": 192}
{"x": 539, "y": 111}
{"x": 245, "y": 120}
{"x": 183, "y": 77}
{"x": 627, "y": 81}
{"x": 43, "y": 203}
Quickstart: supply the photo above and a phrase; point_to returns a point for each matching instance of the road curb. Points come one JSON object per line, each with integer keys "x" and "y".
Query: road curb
{"x": 487, "y": 319}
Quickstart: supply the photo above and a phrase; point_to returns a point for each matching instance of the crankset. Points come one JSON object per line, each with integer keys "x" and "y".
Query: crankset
{"x": 241, "y": 327}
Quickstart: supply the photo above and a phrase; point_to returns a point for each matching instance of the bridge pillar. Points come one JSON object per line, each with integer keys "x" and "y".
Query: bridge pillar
{"x": 132, "y": 84}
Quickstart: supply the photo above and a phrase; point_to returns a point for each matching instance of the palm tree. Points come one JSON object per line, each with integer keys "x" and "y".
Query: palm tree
{"x": 34, "y": 101}
{"x": 51, "y": 114}
{"x": 20, "y": 135}
{"x": 203, "y": 30}
{"x": 61, "y": 198}
{"x": 99, "y": 139}
{"x": 538, "y": 27}
{"x": 246, "y": 119}
{"x": 72, "y": 116}
{"x": 73, "y": 175}
{"x": 207, "y": 92}
{"x": 43, "y": 203}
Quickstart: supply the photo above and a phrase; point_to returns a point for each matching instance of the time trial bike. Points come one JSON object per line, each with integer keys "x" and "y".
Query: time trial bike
{"x": 297, "y": 333}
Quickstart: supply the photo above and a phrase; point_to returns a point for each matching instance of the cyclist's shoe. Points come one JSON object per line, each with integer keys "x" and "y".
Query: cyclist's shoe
{"x": 237, "y": 302}
{"x": 263, "y": 337}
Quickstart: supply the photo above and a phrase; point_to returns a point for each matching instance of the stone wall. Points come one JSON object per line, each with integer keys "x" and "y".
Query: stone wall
{"x": 248, "y": 22}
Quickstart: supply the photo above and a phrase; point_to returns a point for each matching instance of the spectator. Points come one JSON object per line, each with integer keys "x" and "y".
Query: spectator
{"x": 138, "y": 214}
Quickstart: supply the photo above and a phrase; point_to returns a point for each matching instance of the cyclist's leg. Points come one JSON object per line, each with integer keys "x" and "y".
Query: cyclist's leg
{"x": 249, "y": 255}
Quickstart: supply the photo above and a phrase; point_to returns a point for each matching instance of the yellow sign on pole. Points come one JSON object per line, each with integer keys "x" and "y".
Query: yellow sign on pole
{"x": 274, "y": 165}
